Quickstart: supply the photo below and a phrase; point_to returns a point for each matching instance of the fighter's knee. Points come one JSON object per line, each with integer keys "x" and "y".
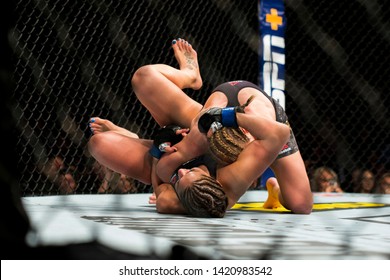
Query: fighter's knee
{"x": 140, "y": 74}
{"x": 94, "y": 143}
{"x": 303, "y": 207}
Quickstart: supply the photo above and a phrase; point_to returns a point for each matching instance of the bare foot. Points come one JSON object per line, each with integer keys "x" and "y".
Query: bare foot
{"x": 98, "y": 125}
{"x": 187, "y": 58}
{"x": 272, "y": 201}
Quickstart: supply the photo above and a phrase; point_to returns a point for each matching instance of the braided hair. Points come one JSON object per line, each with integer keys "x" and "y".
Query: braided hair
{"x": 205, "y": 198}
{"x": 226, "y": 144}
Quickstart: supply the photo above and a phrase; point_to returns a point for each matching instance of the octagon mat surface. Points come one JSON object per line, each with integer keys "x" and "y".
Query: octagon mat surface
{"x": 342, "y": 226}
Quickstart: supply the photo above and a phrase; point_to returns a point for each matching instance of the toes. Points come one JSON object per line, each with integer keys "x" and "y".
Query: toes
{"x": 181, "y": 44}
{"x": 91, "y": 125}
{"x": 91, "y": 128}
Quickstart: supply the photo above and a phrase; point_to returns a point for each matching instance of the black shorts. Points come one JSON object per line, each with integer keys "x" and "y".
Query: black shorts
{"x": 231, "y": 90}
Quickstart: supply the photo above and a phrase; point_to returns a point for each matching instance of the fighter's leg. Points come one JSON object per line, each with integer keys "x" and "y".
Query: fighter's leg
{"x": 122, "y": 154}
{"x": 295, "y": 192}
{"x": 187, "y": 58}
{"x": 159, "y": 87}
{"x": 99, "y": 125}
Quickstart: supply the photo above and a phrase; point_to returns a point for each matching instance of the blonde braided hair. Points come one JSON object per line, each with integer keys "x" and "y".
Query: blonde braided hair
{"x": 226, "y": 144}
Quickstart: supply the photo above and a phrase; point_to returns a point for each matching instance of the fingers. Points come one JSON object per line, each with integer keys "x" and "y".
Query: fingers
{"x": 152, "y": 199}
{"x": 183, "y": 132}
{"x": 170, "y": 149}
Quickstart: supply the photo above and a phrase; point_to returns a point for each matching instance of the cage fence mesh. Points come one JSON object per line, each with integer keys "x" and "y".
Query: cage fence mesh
{"x": 74, "y": 60}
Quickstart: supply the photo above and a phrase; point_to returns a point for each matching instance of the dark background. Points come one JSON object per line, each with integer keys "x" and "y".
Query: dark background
{"x": 63, "y": 62}
{"x": 75, "y": 59}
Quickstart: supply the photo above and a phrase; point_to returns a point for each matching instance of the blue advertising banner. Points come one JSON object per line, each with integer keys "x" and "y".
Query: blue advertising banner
{"x": 272, "y": 21}
{"x": 272, "y": 48}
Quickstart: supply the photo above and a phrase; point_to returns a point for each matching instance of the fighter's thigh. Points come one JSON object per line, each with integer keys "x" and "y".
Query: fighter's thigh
{"x": 126, "y": 155}
{"x": 175, "y": 108}
{"x": 294, "y": 183}
{"x": 165, "y": 101}
{"x": 260, "y": 105}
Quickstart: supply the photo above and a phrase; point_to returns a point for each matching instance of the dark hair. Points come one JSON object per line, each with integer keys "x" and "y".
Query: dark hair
{"x": 205, "y": 198}
{"x": 315, "y": 183}
{"x": 384, "y": 176}
{"x": 381, "y": 180}
{"x": 226, "y": 144}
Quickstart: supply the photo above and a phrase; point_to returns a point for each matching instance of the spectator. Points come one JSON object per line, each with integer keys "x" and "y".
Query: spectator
{"x": 352, "y": 181}
{"x": 61, "y": 175}
{"x": 325, "y": 179}
{"x": 113, "y": 182}
{"x": 64, "y": 177}
{"x": 384, "y": 184}
{"x": 366, "y": 182}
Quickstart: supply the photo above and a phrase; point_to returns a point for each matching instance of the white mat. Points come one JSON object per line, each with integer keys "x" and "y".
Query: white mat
{"x": 342, "y": 226}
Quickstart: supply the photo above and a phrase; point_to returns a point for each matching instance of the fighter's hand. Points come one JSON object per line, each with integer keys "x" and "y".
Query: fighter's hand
{"x": 213, "y": 115}
{"x": 167, "y": 147}
{"x": 215, "y": 118}
{"x": 182, "y": 131}
{"x": 165, "y": 138}
{"x": 152, "y": 199}
{"x": 221, "y": 116}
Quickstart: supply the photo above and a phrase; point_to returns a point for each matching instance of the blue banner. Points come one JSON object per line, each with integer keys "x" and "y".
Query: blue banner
{"x": 272, "y": 48}
{"x": 272, "y": 21}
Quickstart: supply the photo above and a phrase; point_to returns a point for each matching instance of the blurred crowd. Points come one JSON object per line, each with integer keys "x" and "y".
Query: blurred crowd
{"x": 100, "y": 179}
{"x": 104, "y": 180}
{"x": 360, "y": 180}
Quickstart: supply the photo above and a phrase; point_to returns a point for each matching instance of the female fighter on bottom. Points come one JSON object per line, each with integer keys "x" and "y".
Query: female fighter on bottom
{"x": 159, "y": 88}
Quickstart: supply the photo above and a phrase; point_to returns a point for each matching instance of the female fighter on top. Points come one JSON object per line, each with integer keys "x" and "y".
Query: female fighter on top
{"x": 159, "y": 88}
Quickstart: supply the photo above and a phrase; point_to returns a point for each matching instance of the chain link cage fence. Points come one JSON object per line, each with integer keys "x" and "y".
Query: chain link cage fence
{"x": 74, "y": 60}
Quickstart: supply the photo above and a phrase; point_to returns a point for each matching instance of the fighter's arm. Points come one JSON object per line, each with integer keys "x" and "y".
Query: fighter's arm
{"x": 167, "y": 201}
{"x": 270, "y": 136}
